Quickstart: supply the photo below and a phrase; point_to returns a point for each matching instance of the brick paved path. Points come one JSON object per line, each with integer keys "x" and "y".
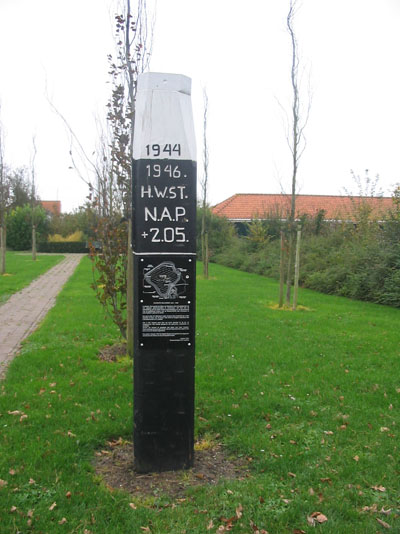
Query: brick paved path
{"x": 23, "y": 311}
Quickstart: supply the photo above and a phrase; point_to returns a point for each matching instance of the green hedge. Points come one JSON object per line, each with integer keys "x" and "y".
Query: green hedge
{"x": 362, "y": 264}
{"x": 64, "y": 247}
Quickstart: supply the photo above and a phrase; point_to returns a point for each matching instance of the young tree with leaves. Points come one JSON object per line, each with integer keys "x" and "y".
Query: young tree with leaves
{"x": 110, "y": 193}
{"x": 132, "y": 56}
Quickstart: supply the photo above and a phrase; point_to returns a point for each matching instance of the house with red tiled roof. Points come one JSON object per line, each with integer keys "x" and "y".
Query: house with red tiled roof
{"x": 52, "y": 206}
{"x": 246, "y": 207}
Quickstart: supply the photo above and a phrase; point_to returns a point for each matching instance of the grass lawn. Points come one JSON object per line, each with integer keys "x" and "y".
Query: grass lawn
{"x": 21, "y": 270}
{"x": 309, "y": 399}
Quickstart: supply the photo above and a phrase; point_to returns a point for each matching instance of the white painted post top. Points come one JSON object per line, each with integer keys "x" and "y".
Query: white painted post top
{"x": 149, "y": 81}
{"x": 163, "y": 116}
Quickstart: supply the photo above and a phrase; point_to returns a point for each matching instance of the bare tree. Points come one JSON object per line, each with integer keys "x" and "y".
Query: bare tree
{"x": 204, "y": 190}
{"x": 33, "y": 198}
{"x": 300, "y": 110}
{"x": 4, "y": 200}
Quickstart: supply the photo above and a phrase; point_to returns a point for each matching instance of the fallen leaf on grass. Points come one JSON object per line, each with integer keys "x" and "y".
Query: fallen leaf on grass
{"x": 71, "y": 434}
{"x": 356, "y": 458}
{"x": 379, "y": 488}
{"x": 372, "y": 508}
{"x": 239, "y": 511}
{"x": 299, "y": 531}
{"x": 133, "y": 505}
{"x": 13, "y": 509}
{"x": 12, "y": 472}
{"x": 210, "y": 525}
{"x": 3, "y": 483}
{"x": 68, "y": 495}
{"x": 30, "y": 514}
{"x": 256, "y": 530}
{"x": 115, "y": 442}
{"x": 62, "y": 521}
{"x": 229, "y": 522}
{"x": 292, "y": 475}
{"x": 51, "y": 508}
{"x": 316, "y": 517}
{"x": 14, "y": 412}
{"x": 383, "y": 523}
{"x": 145, "y": 529}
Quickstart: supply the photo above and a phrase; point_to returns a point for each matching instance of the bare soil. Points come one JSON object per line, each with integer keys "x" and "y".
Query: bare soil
{"x": 115, "y": 465}
{"x": 110, "y": 353}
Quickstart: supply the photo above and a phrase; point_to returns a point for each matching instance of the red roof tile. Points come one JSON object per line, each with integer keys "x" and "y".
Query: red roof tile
{"x": 259, "y": 206}
{"x": 53, "y": 206}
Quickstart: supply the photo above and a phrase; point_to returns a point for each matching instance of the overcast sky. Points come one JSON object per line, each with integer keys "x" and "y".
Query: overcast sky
{"x": 239, "y": 51}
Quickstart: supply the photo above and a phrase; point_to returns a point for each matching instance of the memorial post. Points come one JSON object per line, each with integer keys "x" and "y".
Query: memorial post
{"x": 164, "y": 249}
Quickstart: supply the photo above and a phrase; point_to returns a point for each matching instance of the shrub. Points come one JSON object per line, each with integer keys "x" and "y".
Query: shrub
{"x": 221, "y": 234}
{"x": 19, "y": 227}
{"x": 63, "y": 247}
{"x": 74, "y": 237}
{"x": 356, "y": 261}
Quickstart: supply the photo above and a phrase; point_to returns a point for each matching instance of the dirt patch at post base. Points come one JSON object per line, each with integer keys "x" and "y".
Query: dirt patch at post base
{"x": 110, "y": 353}
{"x": 115, "y": 465}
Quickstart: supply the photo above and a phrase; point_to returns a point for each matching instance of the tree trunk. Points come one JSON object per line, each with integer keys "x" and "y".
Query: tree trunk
{"x": 204, "y": 242}
{"x": 289, "y": 269}
{"x": 205, "y": 262}
{"x": 2, "y": 250}
{"x": 282, "y": 270}
{"x": 33, "y": 243}
{"x": 297, "y": 269}
{"x": 129, "y": 294}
